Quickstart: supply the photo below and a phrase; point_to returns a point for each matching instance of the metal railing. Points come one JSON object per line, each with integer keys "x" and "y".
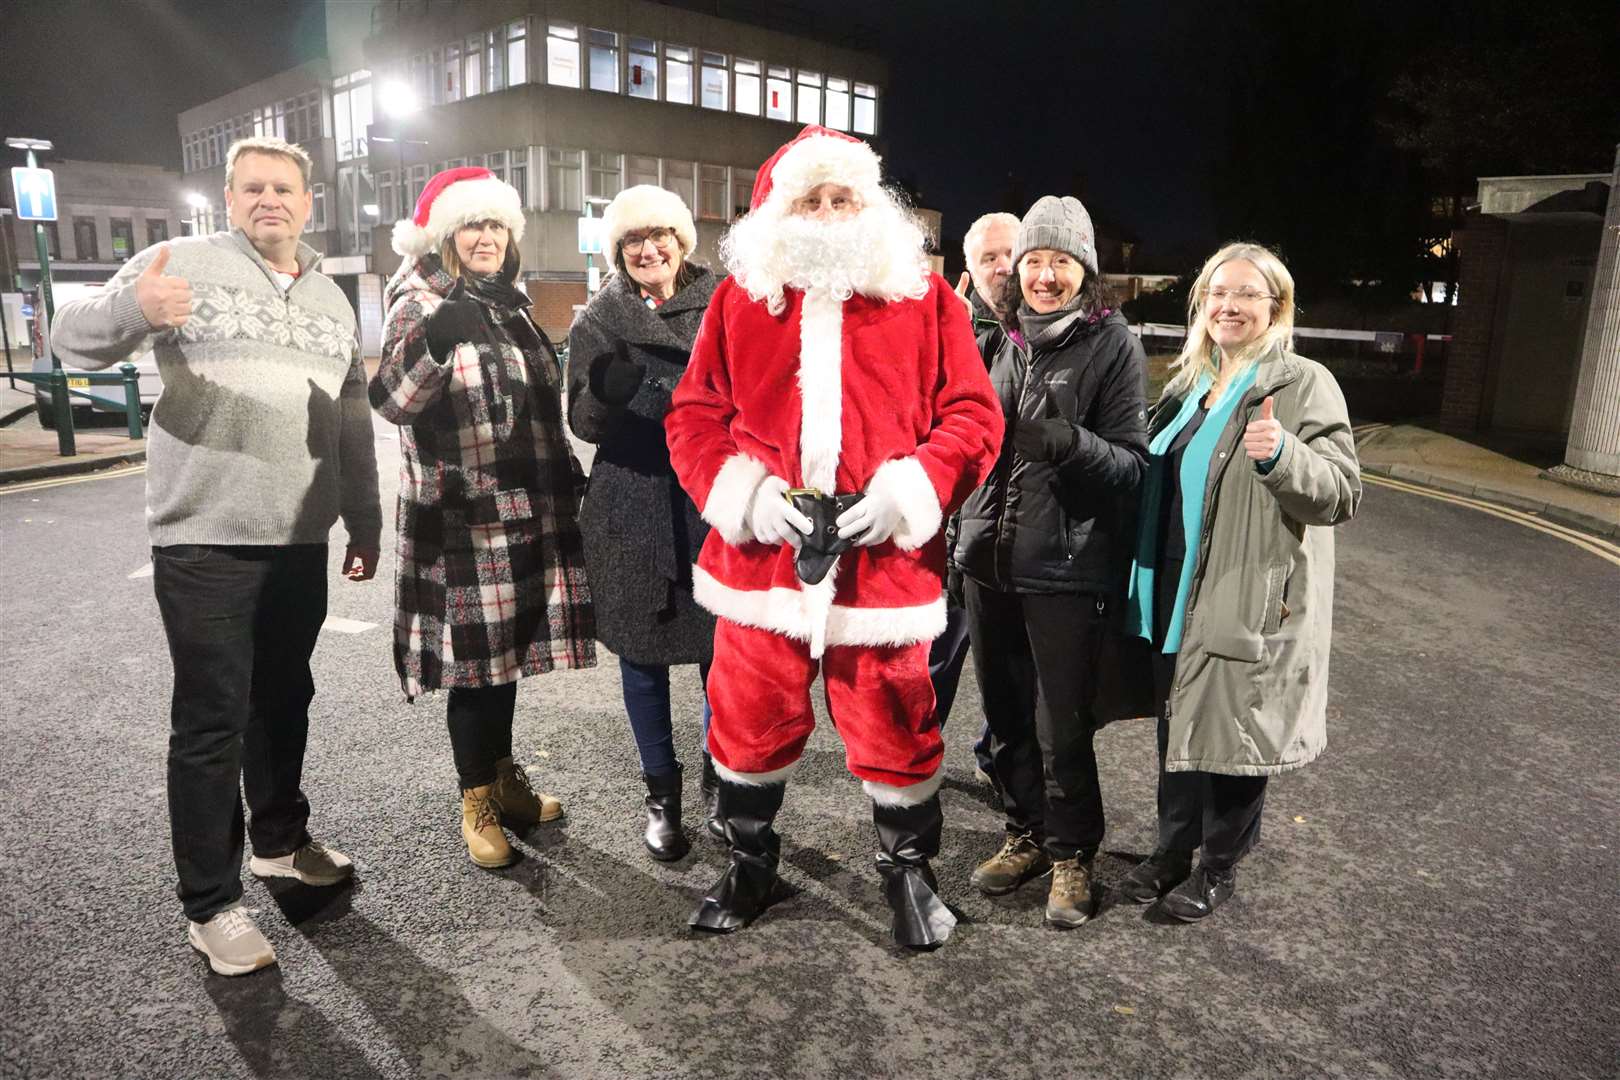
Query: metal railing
{"x": 62, "y": 406}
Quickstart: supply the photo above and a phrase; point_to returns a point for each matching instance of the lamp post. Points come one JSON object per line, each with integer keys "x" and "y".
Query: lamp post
{"x": 41, "y": 145}
{"x": 11, "y": 275}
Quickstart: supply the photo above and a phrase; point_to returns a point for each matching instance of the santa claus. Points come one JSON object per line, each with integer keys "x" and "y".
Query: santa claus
{"x": 834, "y": 411}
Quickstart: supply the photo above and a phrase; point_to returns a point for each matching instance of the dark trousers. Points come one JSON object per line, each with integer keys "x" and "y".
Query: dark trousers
{"x": 945, "y": 659}
{"x": 1036, "y": 658}
{"x": 241, "y": 624}
{"x": 480, "y": 723}
{"x": 646, "y": 699}
{"x": 1212, "y": 811}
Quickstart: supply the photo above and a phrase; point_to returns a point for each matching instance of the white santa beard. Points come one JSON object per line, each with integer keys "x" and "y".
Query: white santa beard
{"x": 878, "y": 253}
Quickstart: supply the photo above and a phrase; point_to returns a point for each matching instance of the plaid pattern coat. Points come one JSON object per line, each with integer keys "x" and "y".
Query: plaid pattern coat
{"x": 490, "y": 584}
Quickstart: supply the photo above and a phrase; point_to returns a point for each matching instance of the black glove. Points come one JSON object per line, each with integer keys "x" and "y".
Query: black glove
{"x": 1050, "y": 439}
{"x": 456, "y": 320}
{"x": 615, "y": 377}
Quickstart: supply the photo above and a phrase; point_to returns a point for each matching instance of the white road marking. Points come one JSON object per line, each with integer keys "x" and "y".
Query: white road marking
{"x": 145, "y": 571}
{"x": 1603, "y": 549}
{"x": 58, "y": 481}
{"x": 347, "y": 626}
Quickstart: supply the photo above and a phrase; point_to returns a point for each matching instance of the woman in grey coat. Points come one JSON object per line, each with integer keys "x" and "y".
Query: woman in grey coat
{"x": 626, "y": 351}
{"x": 1251, "y": 460}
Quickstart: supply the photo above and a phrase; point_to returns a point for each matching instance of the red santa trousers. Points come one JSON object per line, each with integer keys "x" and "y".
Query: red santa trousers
{"x": 880, "y": 698}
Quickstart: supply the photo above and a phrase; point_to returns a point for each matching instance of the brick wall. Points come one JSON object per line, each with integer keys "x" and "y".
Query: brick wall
{"x": 554, "y": 305}
{"x": 1482, "y": 245}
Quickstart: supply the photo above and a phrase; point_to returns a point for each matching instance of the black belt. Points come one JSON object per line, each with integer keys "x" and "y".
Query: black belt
{"x": 823, "y": 546}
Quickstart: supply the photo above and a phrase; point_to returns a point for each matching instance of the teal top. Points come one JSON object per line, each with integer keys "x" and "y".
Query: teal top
{"x": 1195, "y": 462}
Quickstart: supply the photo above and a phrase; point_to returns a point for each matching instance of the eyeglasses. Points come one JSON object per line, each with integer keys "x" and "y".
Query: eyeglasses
{"x": 632, "y": 243}
{"x": 1220, "y": 295}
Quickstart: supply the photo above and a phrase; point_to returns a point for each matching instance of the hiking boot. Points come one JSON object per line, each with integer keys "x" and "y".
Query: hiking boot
{"x": 1154, "y": 876}
{"x": 481, "y": 828}
{"x": 231, "y": 942}
{"x": 1199, "y": 896}
{"x": 313, "y": 864}
{"x": 521, "y": 807}
{"x": 1019, "y": 859}
{"x": 1070, "y": 903}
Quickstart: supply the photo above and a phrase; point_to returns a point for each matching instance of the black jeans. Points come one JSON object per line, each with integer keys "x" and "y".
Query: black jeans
{"x": 480, "y": 722}
{"x": 1036, "y": 657}
{"x": 945, "y": 659}
{"x": 242, "y": 624}
{"x": 1219, "y": 813}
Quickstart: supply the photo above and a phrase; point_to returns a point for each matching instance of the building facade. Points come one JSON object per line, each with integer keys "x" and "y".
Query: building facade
{"x": 106, "y": 212}
{"x": 568, "y": 101}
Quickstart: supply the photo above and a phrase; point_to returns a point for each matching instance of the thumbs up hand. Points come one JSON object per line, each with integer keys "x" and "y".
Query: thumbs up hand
{"x": 458, "y": 318}
{"x": 963, "y": 284}
{"x": 165, "y": 301}
{"x": 1262, "y": 437}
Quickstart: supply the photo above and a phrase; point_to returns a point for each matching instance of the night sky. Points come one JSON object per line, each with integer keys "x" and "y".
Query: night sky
{"x": 1179, "y": 124}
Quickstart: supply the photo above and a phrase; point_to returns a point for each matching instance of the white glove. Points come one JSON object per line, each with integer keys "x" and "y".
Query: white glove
{"x": 872, "y": 520}
{"x": 772, "y": 519}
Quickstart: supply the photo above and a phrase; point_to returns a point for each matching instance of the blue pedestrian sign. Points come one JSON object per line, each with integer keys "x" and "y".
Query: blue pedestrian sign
{"x": 35, "y": 193}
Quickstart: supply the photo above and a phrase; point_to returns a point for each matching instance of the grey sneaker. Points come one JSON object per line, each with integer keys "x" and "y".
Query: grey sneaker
{"x": 231, "y": 942}
{"x": 313, "y": 864}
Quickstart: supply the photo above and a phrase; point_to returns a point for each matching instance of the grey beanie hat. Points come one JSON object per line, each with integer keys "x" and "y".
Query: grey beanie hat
{"x": 1059, "y": 223}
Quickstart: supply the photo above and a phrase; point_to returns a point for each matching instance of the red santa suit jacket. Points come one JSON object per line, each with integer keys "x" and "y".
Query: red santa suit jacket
{"x": 853, "y": 396}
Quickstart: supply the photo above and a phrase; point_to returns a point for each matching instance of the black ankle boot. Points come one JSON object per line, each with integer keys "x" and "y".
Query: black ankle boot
{"x": 908, "y": 837}
{"x": 1199, "y": 896}
{"x": 750, "y": 884}
{"x": 711, "y": 799}
{"x": 665, "y": 841}
{"x": 1154, "y": 876}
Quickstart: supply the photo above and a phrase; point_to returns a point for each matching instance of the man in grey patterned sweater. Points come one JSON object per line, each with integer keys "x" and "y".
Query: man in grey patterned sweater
{"x": 260, "y": 440}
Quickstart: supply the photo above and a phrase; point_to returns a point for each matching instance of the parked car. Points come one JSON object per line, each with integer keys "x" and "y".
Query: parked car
{"x": 103, "y": 398}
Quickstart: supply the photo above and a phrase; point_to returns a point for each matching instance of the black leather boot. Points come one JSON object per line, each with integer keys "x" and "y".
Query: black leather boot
{"x": 1199, "y": 896}
{"x": 665, "y": 841}
{"x": 1154, "y": 876}
{"x": 711, "y": 799}
{"x": 750, "y": 884}
{"x": 908, "y": 836}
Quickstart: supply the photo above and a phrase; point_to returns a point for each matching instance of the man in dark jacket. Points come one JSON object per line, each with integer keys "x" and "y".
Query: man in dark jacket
{"x": 1039, "y": 549}
{"x": 988, "y": 249}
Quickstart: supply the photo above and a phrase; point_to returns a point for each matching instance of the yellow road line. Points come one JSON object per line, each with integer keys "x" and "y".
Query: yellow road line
{"x": 79, "y": 478}
{"x": 1603, "y": 549}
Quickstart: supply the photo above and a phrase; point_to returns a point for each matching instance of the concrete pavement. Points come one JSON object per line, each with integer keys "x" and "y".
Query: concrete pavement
{"x": 30, "y": 452}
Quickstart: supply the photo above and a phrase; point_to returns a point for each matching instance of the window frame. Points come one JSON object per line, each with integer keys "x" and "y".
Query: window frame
{"x": 634, "y": 49}
{"x": 567, "y": 34}
{"x": 671, "y": 62}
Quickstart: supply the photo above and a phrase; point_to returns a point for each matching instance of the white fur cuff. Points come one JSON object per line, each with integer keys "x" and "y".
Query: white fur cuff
{"x": 730, "y": 496}
{"x": 756, "y": 779}
{"x": 906, "y": 482}
{"x": 910, "y": 795}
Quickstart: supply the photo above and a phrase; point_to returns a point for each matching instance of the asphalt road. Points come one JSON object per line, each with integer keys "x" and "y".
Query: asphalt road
{"x": 1435, "y": 897}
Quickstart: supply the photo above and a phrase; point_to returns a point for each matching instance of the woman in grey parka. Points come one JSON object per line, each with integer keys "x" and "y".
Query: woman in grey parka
{"x": 626, "y": 352}
{"x": 1251, "y": 461}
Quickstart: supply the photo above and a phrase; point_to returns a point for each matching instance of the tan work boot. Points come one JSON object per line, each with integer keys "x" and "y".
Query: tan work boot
{"x": 1070, "y": 902}
{"x": 521, "y": 806}
{"x": 1019, "y": 859}
{"x": 481, "y": 828}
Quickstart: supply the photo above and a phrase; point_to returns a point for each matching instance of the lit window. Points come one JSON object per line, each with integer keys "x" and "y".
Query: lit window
{"x": 679, "y": 179}
{"x": 387, "y": 208}
{"x": 157, "y": 231}
{"x": 605, "y": 61}
{"x": 123, "y": 238}
{"x": 519, "y": 179}
{"x": 865, "y": 108}
{"x": 838, "y": 104}
{"x": 747, "y": 97}
{"x": 451, "y": 72}
{"x": 562, "y": 54}
{"x": 716, "y": 84}
{"x": 607, "y": 174}
{"x": 809, "y": 97}
{"x": 435, "y": 84}
{"x": 643, "y": 78}
{"x": 418, "y": 181}
{"x": 641, "y": 170}
{"x": 473, "y": 80}
{"x": 494, "y": 59}
{"x": 742, "y": 190}
{"x": 678, "y": 74}
{"x": 712, "y": 200}
{"x": 563, "y": 180}
{"x": 317, "y": 213}
{"x": 778, "y": 93}
{"x": 496, "y": 163}
{"x": 517, "y": 53}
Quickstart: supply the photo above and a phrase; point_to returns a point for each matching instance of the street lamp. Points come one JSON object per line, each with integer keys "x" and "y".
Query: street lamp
{"x": 397, "y": 99}
{"x": 199, "y": 206}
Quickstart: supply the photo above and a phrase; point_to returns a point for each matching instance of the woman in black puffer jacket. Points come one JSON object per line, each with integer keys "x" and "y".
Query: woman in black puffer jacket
{"x": 1041, "y": 548}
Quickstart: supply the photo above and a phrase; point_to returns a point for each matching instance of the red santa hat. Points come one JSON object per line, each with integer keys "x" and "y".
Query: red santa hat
{"x": 818, "y": 155}
{"x": 647, "y": 206}
{"x": 453, "y": 198}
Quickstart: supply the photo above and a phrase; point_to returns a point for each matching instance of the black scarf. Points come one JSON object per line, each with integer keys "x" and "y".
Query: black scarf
{"x": 496, "y": 291}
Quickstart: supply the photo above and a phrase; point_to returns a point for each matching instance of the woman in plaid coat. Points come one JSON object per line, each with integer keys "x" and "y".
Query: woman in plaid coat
{"x": 490, "y": 584}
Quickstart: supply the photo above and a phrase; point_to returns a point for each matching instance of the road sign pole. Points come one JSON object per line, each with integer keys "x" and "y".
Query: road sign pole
{"x": 44, "y": 250}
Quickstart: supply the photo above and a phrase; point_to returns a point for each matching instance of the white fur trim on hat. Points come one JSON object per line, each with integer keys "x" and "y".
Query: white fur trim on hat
{"x": 824, "y": 159}
{"x": 462, "y": 203}
{"x": 647, "y": 206}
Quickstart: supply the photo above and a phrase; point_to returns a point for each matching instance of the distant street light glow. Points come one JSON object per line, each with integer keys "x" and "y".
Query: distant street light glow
{"x": 398, "y": 99}
{"x": 196, "y": 200}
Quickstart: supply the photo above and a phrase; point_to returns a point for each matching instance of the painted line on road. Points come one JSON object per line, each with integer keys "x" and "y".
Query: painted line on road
{"x": 58, "y": 481}
{"x": 1603, "y": 549}
{"x": 347, "y": 626}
